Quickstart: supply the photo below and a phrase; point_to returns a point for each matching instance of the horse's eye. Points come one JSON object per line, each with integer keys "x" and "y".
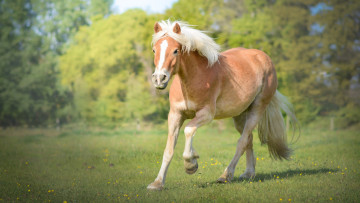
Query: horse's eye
{"x": 176, "y": 51}
{"x": 154, "y": 50}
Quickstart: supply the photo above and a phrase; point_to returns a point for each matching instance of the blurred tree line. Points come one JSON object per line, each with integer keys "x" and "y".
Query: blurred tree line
{"x": 74, "y": 60}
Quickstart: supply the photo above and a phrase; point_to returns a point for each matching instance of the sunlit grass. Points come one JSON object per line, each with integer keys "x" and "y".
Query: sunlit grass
{"x": 104, "y": 165}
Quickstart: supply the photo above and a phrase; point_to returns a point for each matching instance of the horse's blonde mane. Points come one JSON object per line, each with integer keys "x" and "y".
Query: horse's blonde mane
{"x": 190, "y": 39}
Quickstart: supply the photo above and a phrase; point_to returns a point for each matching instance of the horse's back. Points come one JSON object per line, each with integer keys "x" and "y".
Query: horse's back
{"x": 244, "y": 57}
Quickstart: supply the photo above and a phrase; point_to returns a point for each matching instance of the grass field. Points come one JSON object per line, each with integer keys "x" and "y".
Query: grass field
{"x": 103, "y": 165}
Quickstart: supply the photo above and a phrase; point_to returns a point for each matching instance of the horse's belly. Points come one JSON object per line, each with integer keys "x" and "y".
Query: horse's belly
{"x": 230, "y": 107}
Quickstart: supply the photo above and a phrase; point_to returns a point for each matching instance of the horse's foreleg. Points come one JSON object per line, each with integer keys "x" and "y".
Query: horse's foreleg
{"x": 202, "y": 117}
{"x": 175, "y": 122}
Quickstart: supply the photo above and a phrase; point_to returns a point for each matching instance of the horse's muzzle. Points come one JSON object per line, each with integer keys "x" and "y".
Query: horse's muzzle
{"x": 160, "y": 80}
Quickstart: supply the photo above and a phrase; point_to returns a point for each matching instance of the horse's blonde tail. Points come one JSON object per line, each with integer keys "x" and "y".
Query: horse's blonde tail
{"x": 271, "y": 128}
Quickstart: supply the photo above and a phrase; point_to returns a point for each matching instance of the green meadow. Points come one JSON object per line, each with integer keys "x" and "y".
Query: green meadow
{"x": 97, "y": 165}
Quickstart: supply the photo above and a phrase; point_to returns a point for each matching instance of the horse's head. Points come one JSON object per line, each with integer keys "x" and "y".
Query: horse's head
{"x": 167, "y": 57}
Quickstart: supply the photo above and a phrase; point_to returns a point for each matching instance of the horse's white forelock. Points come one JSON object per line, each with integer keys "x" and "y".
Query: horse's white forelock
{"x": 190, "y": 39}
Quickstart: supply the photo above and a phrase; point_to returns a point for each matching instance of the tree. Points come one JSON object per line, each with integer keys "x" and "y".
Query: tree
{"x": 104, "y": 64}
{"x": 339, "y": 47}
{"x": 33, "y": 34}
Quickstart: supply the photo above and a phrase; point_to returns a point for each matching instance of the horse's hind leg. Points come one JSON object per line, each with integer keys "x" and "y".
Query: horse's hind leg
{"x": 239, "y": 122}
{"x": 245, "y": 123}
{"x": 250, "y": 158}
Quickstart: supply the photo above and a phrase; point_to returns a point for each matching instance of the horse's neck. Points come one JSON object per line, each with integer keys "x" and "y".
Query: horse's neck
{"x": 192, "y": 67}
{"x": 194, "y": 74}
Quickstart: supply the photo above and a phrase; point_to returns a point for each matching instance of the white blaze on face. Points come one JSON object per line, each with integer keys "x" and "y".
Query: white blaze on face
{"x": 160, "y": 70}
{"x": 163, "y": 47}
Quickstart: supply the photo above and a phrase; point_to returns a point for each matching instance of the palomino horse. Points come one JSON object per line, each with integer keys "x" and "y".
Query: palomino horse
{"x": 239, "y": 83}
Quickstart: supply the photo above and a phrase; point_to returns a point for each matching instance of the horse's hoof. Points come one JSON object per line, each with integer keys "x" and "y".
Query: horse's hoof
{"x": 156, "y": 185}
{"x": 191, "y": 168}
{"x": 226, "y": 177}
{"x": 247, "y": 175}
{"x": 222, "y": 180}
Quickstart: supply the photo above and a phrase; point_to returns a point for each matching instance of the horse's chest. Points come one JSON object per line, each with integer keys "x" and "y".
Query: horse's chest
{"x": 187, "y": 107}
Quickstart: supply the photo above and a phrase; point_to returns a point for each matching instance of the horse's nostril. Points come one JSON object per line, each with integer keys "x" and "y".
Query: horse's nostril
{"x": 162, "y": 78}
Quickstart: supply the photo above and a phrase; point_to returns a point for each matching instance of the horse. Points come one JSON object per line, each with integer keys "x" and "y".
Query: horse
{"x": 239, "y": 83}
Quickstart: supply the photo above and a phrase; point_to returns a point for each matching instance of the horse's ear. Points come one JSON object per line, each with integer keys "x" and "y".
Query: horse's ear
{"x": 157, "y": 27}
{"x": 177, "y": 28}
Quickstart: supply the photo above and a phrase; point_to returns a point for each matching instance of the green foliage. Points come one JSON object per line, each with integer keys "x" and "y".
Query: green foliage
{"x": 138, "y": 98}
{"x": 102, "y": 69}
{"x": 200, "y": 12}
{"x": 348, "y": 115}
{"x": 340, "y": 51}
{"x": 28, "y": 93}
{"x": 252, "y": 32}
{"x": 74, "y": 61}
{"x": 33, "y": 34}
